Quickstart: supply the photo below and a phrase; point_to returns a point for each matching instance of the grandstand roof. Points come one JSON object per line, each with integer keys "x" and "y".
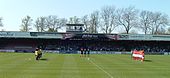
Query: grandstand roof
{"x": 75, "y": 24}
{"x": 55, "y": 35}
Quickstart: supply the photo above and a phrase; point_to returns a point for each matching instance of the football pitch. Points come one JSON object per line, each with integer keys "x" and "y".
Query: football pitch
{"x": 24, "y": 65}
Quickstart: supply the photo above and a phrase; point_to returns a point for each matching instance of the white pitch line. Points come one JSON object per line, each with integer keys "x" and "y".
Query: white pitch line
{"x": 102, "y": 69}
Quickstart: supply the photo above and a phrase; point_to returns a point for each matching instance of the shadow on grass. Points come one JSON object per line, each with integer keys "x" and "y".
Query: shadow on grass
{"x": 44, "y": 59}
{"x": 147, "y": 60}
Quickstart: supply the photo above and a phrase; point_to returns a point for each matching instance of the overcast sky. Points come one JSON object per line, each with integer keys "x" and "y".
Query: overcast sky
{"x": 12, "y": 11}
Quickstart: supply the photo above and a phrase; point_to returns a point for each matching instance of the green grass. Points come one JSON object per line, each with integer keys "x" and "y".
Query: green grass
{"x": 20, "y": 65}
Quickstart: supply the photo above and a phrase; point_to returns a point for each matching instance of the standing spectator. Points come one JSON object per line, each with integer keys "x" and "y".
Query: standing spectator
{"x": 85, "y": 51}
{"x": 81, "y": 50}
{"x": 88, "y": 52}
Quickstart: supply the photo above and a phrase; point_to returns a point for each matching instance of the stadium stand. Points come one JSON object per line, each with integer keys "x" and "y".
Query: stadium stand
{"x": 72, "y": 42}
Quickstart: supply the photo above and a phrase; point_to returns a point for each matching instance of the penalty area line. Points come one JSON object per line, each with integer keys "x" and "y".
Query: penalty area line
{"x": 101, "y": 69}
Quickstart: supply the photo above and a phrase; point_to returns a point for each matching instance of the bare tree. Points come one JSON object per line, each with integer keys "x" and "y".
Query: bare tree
{"x": 159, "y": 22}
{"x": 26, "y": 23}
{"x": 85, "y": 21}
{"x": 40, "y": 24}
{"x": 1, "y": 24}
{"x": 161, "y": 30}
{"x": 52, "y": 20}
{"x": 127, "y": 17}
{"x": 74, "y": 20}
{"x": 94, "y": 22}
{"x": 168, "y": 30}
{"x": 108, "y": 19}
{"x": 145, "y": 21}
{"x": 134, "y": 31}
{"x": 54, "y": 23}
{"x": 62, "y": 22}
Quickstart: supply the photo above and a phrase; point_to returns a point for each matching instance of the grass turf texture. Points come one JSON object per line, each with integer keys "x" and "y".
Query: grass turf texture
{"x": 24, "y": 65}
